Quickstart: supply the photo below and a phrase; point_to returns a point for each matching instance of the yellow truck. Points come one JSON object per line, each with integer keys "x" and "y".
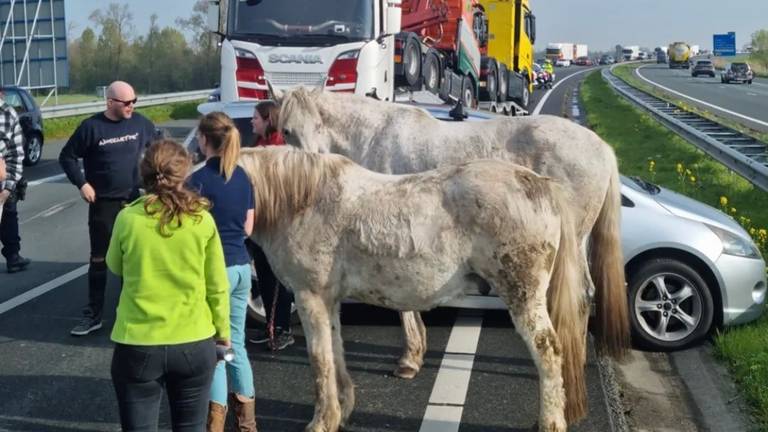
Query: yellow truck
{"x": 679, "y": 54}
{"x": 512, "y": 32}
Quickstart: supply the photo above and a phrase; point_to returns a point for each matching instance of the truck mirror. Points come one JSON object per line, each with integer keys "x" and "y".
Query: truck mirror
{"x": 394, "y": 17}
{"x": 213, "y": 16}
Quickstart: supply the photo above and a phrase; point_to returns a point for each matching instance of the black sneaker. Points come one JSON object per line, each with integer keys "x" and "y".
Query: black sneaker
{"x": 259, "y": 337}
{"x": 282, "y": 340}
{"x": 17, "y": 263}
{"x": 86, "y": 325}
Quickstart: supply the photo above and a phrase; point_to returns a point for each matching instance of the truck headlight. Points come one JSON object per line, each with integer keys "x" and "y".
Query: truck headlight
{"x": 735, "y": 245}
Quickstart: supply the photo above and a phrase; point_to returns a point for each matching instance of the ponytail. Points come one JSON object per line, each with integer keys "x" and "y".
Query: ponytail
{"x": 222, "y": 135}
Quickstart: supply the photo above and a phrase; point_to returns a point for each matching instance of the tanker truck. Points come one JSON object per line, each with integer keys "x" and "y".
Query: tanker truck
{"x": 679, "y": 55}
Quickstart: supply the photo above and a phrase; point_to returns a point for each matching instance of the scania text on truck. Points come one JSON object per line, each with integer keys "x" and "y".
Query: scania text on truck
{"x": 476, "y": 51}
{"x": 679, "y": 55}
{"x": 340, "y": 45}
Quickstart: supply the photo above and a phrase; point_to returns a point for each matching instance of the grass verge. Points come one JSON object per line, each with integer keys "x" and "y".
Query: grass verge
{"x": 646, "y": 148}
{"x": 63, "y": 127}
{"x": 627, "y": 74}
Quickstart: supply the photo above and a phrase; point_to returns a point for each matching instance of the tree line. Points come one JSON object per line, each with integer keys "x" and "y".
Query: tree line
{"x": 160, "y": 61}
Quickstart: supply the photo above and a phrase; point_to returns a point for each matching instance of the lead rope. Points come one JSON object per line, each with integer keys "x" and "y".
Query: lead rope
{"x": 271, "y": 323}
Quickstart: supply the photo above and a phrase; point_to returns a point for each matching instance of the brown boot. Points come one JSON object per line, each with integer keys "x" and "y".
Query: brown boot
{"x": 245, "y": 412}
{"x": 217, "y": 415}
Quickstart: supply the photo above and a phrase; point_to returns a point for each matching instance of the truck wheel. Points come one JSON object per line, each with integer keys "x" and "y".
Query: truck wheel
{"x": 412, "y": 60}
{"x": 468, "y": 92}
{"x": 503, "y": 82}
{"x": 431, "y": 70}
{"x": 525, "y": 96}
{"x": 491, "y": 90}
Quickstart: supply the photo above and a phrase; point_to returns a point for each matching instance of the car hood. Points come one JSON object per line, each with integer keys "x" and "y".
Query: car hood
{"x": 684, "y": 207}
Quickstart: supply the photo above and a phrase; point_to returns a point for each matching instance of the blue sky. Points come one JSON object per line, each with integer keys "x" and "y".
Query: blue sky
{"x": 599, "y": 23}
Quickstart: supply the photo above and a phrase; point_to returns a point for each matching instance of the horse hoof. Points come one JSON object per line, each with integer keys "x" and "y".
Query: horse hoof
{"x": 406, "y": 372}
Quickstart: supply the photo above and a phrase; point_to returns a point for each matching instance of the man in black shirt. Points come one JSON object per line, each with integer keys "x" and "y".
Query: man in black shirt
{"x": 110, "y": 144}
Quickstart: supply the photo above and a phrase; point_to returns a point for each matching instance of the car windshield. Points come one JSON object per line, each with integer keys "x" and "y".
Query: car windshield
{"x": 301, "y": 22}
{"x": 704, "y": 63}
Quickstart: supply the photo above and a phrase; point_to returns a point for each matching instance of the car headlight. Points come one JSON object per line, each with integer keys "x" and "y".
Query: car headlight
{"x": 735, "y": 245}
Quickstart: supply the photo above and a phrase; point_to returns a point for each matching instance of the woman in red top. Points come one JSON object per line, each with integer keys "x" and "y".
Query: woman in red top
{"x": 266, "y": 117}
{"x": 277, "y": 300}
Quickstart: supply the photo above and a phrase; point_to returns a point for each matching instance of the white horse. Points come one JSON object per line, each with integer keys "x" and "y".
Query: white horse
{"x": 333, "y": 230}
{"x": 400, "y": 139}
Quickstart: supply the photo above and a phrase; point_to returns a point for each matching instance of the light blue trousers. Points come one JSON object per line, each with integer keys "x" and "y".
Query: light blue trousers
{"x": 239, "y": 370}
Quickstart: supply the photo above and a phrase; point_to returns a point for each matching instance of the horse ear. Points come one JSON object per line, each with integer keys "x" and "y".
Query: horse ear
{"x": 274, "y": 94}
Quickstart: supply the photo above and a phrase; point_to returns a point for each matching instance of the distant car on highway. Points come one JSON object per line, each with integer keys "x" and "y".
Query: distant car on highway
{"x": 703, "y": 67}
{"x": 737, "y": 72}
{"x": 583, "y": 61}
{"x": 690, "y": 268}
{"x": 31, "y": 120}
{"x": 661, "y": 56}
{"x": 607, "y": 60}
{"x": 563, "y": 63}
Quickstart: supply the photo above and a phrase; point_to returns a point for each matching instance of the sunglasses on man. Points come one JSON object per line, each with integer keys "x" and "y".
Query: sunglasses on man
{"x": 126, "y": 102}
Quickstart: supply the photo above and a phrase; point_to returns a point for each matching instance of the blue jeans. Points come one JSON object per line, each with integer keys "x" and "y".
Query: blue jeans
{"x": 238, "y": 370}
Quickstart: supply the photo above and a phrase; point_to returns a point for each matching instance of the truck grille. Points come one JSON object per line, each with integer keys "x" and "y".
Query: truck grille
{"x": 313, "y": 79}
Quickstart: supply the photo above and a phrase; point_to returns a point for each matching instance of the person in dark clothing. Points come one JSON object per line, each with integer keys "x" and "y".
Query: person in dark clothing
{"x": 12, "y": 155}
{"x": 273, "y": 294}
{"x": 110, "y": 144}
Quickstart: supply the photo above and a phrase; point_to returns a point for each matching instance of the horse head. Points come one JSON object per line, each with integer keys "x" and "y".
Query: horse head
{"x": 301, "y": 120}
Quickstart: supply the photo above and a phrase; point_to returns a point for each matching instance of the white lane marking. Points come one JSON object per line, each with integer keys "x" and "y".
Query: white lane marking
{"x": 50, "y": 179}
{"x": 441, "y": 419}
{"x": 50, "y": 211}
{"x": 446, "y": 403}
{"x": 733, "y": 113}
{"x": 540, "y": 105}
{"x": 42, "y": 289}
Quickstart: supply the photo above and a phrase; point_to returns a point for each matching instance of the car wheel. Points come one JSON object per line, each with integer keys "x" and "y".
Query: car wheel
{"x": 34, "y": 150}
{"x": 671, "y": 305}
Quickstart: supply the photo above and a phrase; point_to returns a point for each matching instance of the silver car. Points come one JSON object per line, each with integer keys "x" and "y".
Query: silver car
{"x": 689, "y": 267}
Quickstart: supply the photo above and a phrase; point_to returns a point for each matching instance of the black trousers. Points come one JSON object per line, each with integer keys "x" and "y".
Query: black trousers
{"x": 267, "y": 284}
{"x": 9, "y": 229}
{"x": 140, "y": 374}
{"x": 101, "y": 219}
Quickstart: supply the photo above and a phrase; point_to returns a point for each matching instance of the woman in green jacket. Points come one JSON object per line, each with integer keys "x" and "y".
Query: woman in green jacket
{"x": 174, "y": 304}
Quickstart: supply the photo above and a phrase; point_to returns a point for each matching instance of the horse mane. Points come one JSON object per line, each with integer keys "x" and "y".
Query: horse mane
{"x": 287, "y": 181}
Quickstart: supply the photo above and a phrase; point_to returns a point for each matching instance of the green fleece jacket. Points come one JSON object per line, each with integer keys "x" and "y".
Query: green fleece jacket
{"x": 175, "y": 289}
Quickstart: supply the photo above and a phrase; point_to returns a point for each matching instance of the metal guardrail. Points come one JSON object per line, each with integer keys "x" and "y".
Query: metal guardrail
{"x": 743, "y": 154}
{"x": 94, "y": 107}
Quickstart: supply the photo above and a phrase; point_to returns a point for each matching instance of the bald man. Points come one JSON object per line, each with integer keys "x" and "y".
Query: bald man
{"x": 110, "y": 144}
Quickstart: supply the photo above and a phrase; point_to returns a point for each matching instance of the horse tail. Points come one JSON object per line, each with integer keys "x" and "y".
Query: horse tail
{"x": 611, "y": 325}
{"x": 566, "y": 306}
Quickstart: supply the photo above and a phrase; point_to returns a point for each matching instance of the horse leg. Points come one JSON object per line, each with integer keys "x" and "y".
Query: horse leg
{"x": 315, "y": 319}
{"x": 343, "y": 380}
{"x": 415, "y": 341}
{"x": 534, "y": 326}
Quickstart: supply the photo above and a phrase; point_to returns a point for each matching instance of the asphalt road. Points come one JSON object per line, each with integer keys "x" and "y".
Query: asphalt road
{"x": 747, "y": 104}
{"x": 50, "y": 381}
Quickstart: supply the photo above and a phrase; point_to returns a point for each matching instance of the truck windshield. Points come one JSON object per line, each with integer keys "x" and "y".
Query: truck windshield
{"x": 553, "y": 51}
{"x": 301, "y": 22}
